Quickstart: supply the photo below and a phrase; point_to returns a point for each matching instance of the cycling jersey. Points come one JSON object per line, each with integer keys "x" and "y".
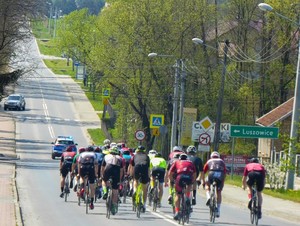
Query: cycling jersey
{"x": 66, "y": 161}
{"x": 255, "y": 173}
{"x": 197, "y": 162}
{"x": 158, "y": 162}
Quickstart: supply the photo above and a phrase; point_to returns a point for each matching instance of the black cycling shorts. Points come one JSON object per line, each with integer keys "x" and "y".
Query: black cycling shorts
{"x": 88, "y": 170}
{"x": 218, "y": 176}
{"x": 160, "y": 172}
{"x": 258, "y": 177}
{"x": 141, "y": 171}
{"x": 180, "y": 180}
{"x": 65, "y": 169}
{"x": 112, "y": 171}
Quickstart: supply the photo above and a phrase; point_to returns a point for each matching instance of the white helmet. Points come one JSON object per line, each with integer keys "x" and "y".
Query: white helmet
{"x": 152, "y": 152}
{"x": 106, "y": 142}
{"x": 215, "y": 154}
{"x": 177, "y": 148}
{"x": 191, "y": 149}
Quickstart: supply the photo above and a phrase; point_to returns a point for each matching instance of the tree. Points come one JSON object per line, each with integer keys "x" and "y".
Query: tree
{"x": 15, "y": 28}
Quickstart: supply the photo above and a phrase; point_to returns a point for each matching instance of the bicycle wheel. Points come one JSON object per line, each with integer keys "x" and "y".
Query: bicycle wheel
{"x": 173, "y": 199}
{"x": 252, "y": 212}
{"x": 139, "y": 205}
{"x": 255, "y": 211}
{"x": 182, "y": 207}
{"x": 108, "y": 203}
{"x": 155, "y": 198}
{"x": 212, "y": 207}
{"x": 66, "y": 187}
{"x": 124, "y": 190}
{"x": 86, "y": 197}
{"x": 78, "y": 192}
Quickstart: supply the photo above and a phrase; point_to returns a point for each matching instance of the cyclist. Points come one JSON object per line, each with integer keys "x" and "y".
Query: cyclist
{"x": 75, "y": 165}
{"x": 106, "y": 146}
{"x": 167, "y": 182}
{"x": 184, "y": 171}
{"x": 112, "y": 167}
{"x": 216, "y": 169}
{"x": 65, "y": 166}
{"x": 139, "y": 169}
{"x": 88, "y": 166}
{"x": 158, "y": 167}
{"x": 254, "y": 172}
{"x": 191, "y": 152}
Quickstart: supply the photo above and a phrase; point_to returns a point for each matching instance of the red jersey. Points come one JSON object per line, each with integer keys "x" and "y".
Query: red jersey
{"x": 254, "y": 167}
{"x": 183, "y": 167}
{"x": 67, "y": 156}
{"x": 214, "y": 164}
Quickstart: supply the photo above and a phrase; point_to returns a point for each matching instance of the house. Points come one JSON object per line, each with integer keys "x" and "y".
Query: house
{"x": 271, "y": 149}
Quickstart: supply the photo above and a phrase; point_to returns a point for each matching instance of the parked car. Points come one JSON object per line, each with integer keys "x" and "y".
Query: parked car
{"x": 15, "y": 101}
{"x": 60, "y": 145}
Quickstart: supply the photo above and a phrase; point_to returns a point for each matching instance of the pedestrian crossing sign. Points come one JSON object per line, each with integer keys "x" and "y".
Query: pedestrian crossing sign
{"x": 106, "y": 92}
{"x": 156, "y": 121}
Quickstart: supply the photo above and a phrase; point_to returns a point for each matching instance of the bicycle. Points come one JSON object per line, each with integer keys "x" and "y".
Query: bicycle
{"x": 138, "y": 201}
{"x": 254, "y": 205}
{"x": 185, "y": 210}
{"x": 155, "y": 194}
{"x": 66, "y": 187}
{"x": 213, "y": 201}
{"x": 86, "y": 193}
{"x": 125, "y": 188}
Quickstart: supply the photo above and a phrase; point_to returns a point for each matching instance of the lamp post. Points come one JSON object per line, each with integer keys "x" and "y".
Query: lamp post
{"x": 175, "y": 98}
{"x": 221, "y": 93}
{"x": 296, "y": 105}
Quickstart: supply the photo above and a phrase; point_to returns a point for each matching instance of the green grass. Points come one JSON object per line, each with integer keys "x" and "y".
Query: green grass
{"x": 97, "y": 136}
{"x": 60, "y": 67}
{"x": 47, "y": 47}
{"x": 291, "y": 195}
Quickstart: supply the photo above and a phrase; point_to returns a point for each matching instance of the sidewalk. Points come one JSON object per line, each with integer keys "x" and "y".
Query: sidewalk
{"x": 9, "y": 208}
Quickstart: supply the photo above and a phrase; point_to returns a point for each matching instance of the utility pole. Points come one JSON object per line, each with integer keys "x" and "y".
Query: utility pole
{"x": 175, "y": 105}
{"x": 220, "y": 101}
{"x": 181, "y": 106}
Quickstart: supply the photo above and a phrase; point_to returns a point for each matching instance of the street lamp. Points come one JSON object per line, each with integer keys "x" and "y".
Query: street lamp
{"x": 296, "y": 105}
{"x": 175, "y": 99}
{"x": 221, "y": 93}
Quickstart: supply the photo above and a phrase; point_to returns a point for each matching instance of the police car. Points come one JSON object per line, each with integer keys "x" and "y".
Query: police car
{"x": 60, "y": 145}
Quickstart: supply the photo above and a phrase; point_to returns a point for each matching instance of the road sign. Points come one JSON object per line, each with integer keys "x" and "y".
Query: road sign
{"x": 204, "y": 139}
{"x": 155, "y": 132}
{"x": 140, "y": 135}
{"x": 254, "y": 131}
{"x": 106, "y": 92}
{"x": 156, "y": 121}
{"x": 206, "y": 123}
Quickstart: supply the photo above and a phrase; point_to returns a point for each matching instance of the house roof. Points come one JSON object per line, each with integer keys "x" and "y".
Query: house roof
{"x": 277, "y": 114}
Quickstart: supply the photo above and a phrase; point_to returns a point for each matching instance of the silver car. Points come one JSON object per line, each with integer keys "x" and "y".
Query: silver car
{"x": 15, "y": 101}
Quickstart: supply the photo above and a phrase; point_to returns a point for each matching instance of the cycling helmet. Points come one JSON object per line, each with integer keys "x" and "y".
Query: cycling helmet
{"x": 191, "y": 149}
{"x": 215, "y": 154}
{"x": 140, "y": 148}
{"x": 152, "y": 152}
{"x": 176, "y": 156}
{"x": 69, "y": 148}
{"x": 81, "y": 150}
{"x": 106, "y": 142}
{"x": 90, "y": 148}
{"x": 114, "y": 150}
{"x": 254, "y": 160}
{"x": 183, "y": 156}
{"x": 113, "y": 144}
{"x": 177, "y": 148}
{"x": 98, "y": 149}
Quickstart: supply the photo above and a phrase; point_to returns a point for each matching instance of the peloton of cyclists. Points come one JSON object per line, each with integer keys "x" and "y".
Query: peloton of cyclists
{"x": 254, "y": 172}
{"x": 65, "y": 167}
{"x": 216, "y": 169}
{"x": 139, "y": 169}
{"x": 184, "y": 171}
